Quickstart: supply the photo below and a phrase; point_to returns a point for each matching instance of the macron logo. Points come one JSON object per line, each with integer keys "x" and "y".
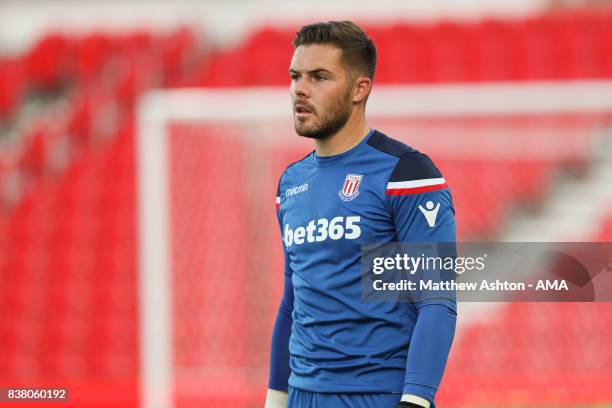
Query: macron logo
{"x": 430, "y": 212}
{"x": 296, "y": 190}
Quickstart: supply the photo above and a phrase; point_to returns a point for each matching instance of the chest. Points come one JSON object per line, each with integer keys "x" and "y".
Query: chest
{"x": 334, "y": 207}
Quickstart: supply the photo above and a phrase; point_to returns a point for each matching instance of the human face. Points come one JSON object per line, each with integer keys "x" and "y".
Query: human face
{"x": 320, "y": 91}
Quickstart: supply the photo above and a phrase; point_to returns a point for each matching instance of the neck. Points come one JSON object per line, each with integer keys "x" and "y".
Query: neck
{"x": 351, "y": 134}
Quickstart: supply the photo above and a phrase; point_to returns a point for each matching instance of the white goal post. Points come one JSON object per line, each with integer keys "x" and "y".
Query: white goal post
{"x": 159, "y": 108}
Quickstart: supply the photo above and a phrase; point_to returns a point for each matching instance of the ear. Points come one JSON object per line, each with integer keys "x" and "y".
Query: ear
{"x": 361, "y": 89}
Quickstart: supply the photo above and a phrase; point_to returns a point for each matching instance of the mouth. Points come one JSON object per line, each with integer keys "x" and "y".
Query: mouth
{"x": 302, "y": 110}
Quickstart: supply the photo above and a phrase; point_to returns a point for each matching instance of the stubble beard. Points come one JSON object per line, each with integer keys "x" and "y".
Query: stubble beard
{"x": 330, "y": 122}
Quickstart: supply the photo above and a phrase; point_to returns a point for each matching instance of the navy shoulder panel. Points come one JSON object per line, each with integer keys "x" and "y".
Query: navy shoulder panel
{"x": 388, "y": 145}
{"x": 414, "y": 166}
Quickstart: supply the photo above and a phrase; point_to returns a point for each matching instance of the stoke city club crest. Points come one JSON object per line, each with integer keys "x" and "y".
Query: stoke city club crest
{"x": 350, "y": 188}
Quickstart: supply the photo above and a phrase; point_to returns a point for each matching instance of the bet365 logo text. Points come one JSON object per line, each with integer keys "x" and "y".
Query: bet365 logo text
{"x": 322, "y": 229}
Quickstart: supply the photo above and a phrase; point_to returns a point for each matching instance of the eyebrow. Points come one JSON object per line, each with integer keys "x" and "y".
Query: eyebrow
{"x": 312, "y": 71}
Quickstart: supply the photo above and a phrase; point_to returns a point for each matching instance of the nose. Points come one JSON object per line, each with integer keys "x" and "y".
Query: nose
{"x": 299, "y": 87}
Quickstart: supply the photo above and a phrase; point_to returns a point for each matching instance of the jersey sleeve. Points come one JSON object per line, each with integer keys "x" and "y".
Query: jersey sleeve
{"x": 420, "y": 201}
{"x": 422, "y": 211}
{"x": 279, "y": 349}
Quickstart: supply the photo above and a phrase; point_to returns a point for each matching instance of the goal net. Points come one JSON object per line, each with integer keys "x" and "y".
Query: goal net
{"x": 209, "y": 244}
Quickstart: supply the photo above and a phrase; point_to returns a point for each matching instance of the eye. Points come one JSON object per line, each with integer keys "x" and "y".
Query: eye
{"x": 319, "y": 77}
{"x": 294, "y": 76}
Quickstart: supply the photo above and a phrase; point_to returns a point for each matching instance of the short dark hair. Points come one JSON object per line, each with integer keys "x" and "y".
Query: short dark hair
{"x": 358, "y": 51}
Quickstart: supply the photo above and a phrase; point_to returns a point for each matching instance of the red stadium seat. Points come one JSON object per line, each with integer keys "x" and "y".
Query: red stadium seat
{"x": 93, "y": 53}
{"x": 496, "y": 56}
{"x": 12, "y": 86}
{"x": 577, "y": 42}
{"x": 93, "y": 115}
{"x": 180, "y": 56}
{"x": 605, "y": 23}
{"x": 407, "y": 60}
{"x": 136, "y": 42}
{"x": 50, "y": 61}
{"x": 138, "y": 73}
{"x": 268, "y": 55}
{"x": 451, "y": 53}
{"x": 33, "y": 158}
{"x": 225, "y": 69}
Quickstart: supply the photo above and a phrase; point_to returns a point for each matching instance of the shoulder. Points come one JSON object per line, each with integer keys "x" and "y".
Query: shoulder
{"x": 410, "y": 164}
{"x": 413, "y": 173}
{"x": 388, "y": 145}
{"x": 414, "y": 166}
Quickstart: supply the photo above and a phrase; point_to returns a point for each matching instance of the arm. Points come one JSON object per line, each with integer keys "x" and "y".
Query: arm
{"x": 431, "y": 341}
{"x": 435, "y": 326}
{"x": 279, "y": 349}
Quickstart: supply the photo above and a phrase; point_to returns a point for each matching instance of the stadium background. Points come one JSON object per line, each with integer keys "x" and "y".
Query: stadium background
{"x": 71, "y": 75}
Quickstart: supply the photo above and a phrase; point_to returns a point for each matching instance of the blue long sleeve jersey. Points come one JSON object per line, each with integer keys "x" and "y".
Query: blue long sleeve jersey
{"x": 325, "y": 338}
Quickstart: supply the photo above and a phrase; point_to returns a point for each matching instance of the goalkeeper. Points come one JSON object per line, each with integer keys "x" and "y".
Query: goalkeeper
{"x": 330, "y": 349}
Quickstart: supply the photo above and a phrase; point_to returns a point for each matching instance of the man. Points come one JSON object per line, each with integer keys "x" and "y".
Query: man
{"x": 329, "y": 348}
